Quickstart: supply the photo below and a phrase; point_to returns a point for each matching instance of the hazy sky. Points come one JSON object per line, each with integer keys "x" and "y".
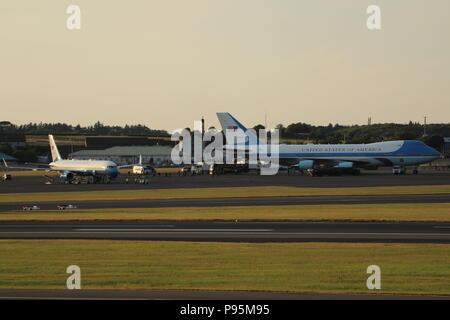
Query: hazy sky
{"x": 166, "y": 63}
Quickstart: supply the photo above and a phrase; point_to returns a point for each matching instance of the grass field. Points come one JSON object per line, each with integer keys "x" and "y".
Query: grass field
{"x": 217, "y": 193}
{"x": 299, "y": 267}
{"x": 357, "y": 212}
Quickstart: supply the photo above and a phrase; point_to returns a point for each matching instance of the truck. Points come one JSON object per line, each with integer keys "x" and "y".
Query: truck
{"x": 6, "y": 177}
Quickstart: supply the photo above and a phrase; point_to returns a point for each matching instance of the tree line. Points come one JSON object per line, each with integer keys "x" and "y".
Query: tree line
{"x": 66, "y": 129}
{"x": 432, "y": 135}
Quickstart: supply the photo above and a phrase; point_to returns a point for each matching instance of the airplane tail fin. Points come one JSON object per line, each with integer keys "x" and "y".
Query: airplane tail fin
{"x": 228, "y": 122}
{"x": 54, "y": 149}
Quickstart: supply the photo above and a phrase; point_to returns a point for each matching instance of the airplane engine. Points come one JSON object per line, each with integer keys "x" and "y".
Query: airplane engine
{"x": 67, "y": 176}
{"x": 345, "y": 164}
{"x": 306, "y": 164}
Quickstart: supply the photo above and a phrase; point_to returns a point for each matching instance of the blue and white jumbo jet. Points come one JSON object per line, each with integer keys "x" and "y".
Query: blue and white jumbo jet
{"x": 317, "y": 157}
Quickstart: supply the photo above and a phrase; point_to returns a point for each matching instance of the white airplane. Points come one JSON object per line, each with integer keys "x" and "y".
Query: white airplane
{"x": 140, "y": 168}
{"x": 100, "y": 170}
{"x": 343, "y": 156}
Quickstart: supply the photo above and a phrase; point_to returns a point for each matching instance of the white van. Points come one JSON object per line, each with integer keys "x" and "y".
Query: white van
{"x": 398, "y": 170}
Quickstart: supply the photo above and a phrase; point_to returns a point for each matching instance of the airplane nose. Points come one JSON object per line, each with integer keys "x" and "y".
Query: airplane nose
{"x": 113, "y": 172}
{"x": 435, "y": 153}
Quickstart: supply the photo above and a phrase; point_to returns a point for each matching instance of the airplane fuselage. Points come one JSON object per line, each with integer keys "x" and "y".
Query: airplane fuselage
{"x": 86, "y": 167}
{"x": 389, "y": 153}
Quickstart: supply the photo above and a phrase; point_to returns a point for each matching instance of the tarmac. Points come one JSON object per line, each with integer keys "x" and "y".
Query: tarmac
{"x": 232, "y": 231}
{"x": 233, "y": 201}
{"x": 61, "y": 294}
{"x": 226, "y": 231}
{"x": 24, "y": 184}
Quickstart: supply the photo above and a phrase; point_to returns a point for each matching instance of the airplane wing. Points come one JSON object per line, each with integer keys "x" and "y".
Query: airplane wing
{"x": 133, "y": 164}
{"x": 126, "y": 166}
{"x": 129, "y": 165}
{"x": 27, "y": 168}
{"x": 38, "y": 164}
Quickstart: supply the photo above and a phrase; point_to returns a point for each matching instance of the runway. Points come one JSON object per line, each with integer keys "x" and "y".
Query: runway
{"x": 235, "y": 201}
{"x": 401, "y": 232}
{"x": 64, "y": 294}
{"x": 27, "y": 184}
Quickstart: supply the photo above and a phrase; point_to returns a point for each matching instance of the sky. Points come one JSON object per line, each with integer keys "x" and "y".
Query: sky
{"x": 166, "y": 63}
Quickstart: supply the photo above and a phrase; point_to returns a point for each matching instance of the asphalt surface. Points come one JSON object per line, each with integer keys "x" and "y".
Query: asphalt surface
{"x": 232, "y": 231}
{"x": 240, "y": 201}
{"x": 235, "y": 231}
{"x": 366, "y": 179}
{"x": 59, "y": 294}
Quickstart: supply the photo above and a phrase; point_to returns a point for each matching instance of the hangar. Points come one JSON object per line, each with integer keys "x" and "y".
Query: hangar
{"x": 154, "y": 155}
{"x": 14, "y": 140}
{"x": 100, "y": 143}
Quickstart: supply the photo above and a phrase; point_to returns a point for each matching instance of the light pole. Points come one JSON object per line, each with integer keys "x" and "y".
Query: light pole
{"x": 425, "y": 126}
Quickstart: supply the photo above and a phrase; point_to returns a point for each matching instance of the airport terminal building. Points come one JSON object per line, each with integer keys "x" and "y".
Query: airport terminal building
{"x": 154, "y": 155}
{"x": 14, "y": 140}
